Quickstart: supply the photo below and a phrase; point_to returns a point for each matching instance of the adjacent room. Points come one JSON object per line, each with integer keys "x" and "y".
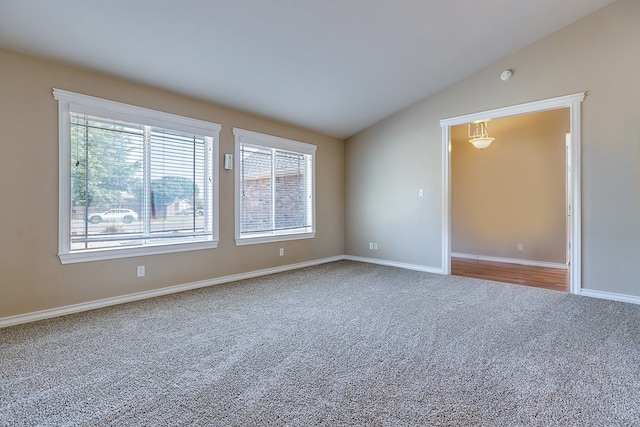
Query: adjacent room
{"x": 319, "y": 213}
{"x": 516, "y": 189}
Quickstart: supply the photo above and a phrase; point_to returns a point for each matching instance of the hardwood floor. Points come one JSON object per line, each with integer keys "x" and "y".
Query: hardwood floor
{"x": 540, "y": 277}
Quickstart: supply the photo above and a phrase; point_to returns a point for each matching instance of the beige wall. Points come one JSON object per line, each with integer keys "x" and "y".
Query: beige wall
{"x": 31, "y": 276}
{"x": 513, "y": 191}
{"x": 390, "y": 161}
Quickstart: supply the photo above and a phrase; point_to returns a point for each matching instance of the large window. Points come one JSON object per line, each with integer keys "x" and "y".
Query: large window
{"x": 274, "y": 188}
{"x": 134, "y": 181}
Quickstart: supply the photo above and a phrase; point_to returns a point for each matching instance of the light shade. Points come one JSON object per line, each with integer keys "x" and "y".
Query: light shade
{"x": 479, "y": 135}
{"x": 481, "y": 142}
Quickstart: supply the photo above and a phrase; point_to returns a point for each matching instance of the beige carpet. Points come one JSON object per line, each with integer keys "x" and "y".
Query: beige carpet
{"x": 338, "y": 344}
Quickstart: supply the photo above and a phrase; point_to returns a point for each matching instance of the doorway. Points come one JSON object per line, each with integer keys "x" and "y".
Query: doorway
{"x": 509, "y": 201}
{"x": 573, "y": 103}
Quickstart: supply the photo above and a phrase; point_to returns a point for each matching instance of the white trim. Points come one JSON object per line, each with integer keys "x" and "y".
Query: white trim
{"x": 575, "y": 263}
{"x": 610, "y": 296}
{"x": 115, "y": 253}
{"x": 64, "y": 176}
{"x": 446, "y": 200}
{"x": 92, "y": 305}
{"x": 394, "y": 264}
{"x": 106, "y": 302}
{"x": 569, "y": 101}
{"x": 518, "y": 261}
{"x": 273, "y": 238}
{"x": 256, "y": 138}
{"x": 104, "y": 107}
{"x": 515, "y": 110}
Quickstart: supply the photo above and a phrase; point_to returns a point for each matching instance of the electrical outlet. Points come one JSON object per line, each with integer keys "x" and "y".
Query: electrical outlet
{"x": 375, "y": 246}
{"x": 421, "y": 193}
{"x": 281, "y": 251}
{"x": 140, "y": 271}
{"x": 520, "y": 247}
{"x": 370, "y": 246}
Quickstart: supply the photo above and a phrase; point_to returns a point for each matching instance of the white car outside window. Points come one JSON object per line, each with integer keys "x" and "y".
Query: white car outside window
{"x": 114, "y": 215}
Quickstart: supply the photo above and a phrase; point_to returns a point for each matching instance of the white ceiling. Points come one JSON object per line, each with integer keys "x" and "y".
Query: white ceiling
{"x": 334, "y": 66}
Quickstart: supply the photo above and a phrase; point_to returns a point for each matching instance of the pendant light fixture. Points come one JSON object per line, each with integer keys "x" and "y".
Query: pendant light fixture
{"x": 479, "y": 134}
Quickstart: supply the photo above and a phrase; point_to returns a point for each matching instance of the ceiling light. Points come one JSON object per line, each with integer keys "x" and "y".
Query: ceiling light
{"x": 506, "y": 75}
{"x": 479, "y": 135}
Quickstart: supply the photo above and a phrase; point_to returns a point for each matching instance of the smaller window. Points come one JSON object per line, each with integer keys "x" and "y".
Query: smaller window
{"x": 275, "y": 190}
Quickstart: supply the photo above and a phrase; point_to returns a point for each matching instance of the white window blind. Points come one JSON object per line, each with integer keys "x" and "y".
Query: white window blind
{"x": 275, "y": 196}
{"x": 135, "y": 183}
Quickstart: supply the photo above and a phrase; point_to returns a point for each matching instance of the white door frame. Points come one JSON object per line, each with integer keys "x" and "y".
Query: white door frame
{"x": 568, "y": 191}
{"x": 573, "y": 102}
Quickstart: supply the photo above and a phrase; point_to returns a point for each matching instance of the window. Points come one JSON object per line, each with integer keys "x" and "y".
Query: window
{"x": 275, "y": 189}
{"x": 134, "y": 181}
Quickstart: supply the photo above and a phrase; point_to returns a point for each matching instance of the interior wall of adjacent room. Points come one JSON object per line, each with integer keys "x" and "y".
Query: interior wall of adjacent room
{"x": 514, "y": 191}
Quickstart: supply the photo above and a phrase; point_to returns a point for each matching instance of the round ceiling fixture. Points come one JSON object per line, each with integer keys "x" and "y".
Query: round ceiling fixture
{"x": 506, "y": 75}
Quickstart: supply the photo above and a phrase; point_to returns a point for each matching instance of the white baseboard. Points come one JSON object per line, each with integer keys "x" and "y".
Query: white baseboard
{"x": 91, "y": 305}
{"x": 510, "y": 260}
{"x": 395, "y": 264}
{"x": 610, "y": 296}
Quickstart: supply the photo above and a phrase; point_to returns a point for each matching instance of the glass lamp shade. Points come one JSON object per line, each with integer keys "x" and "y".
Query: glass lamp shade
{"x": 481, "y": 143}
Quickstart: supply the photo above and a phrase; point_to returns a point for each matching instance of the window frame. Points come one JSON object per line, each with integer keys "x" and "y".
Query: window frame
{"x": 69, "y": 102}
{"x": 243, "y": 136}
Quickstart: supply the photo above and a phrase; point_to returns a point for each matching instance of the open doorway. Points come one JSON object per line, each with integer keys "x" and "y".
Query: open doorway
{"x": 509, "y": 201}
{"x": 572, "y": 102}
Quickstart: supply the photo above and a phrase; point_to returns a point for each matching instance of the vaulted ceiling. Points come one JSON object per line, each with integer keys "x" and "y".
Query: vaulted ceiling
{"x": 333, "y": 66}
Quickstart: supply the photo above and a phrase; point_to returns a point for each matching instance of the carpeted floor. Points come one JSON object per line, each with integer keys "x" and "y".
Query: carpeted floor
{"x": 338, "y": 344}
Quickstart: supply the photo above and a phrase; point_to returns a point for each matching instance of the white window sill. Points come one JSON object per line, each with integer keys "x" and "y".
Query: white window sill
{"x": 115, "y": 253}
{"x": 240, "y": 241}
